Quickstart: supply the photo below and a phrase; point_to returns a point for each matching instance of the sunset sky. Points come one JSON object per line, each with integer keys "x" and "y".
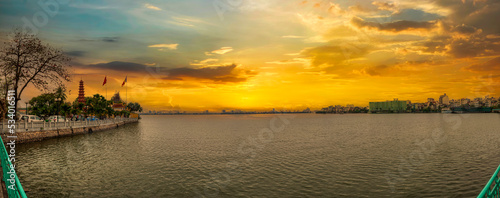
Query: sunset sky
{"x": 259, "y": 54}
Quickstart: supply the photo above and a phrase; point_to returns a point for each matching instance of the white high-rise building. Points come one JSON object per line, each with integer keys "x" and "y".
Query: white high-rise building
{"x": 444, "y": 99}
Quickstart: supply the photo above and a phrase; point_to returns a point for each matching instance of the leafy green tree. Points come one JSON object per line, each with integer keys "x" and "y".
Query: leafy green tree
{"x": 65, "y": 109}
{"x": 77, "y": 107}
{"x": 109, "y": 110}
{"x": 49, "y": 104}
{"x": 134, "y": 106}
{"x": 125, "y": 113}
{"x": 42, "y": 105}
{"x": 98, "y": 105}
{"x": 60, "y": 93}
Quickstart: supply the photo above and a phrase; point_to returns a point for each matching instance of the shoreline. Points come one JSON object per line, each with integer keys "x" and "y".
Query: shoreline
{"x": 40, "y": 135}
{"x": 315, "y": 113}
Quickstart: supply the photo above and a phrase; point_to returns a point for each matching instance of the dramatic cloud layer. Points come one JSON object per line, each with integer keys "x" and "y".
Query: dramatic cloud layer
{"x": 76, "y": 53}
{"x": 220, "y": 74}
{"x": 289, "y": 54}
{"x": 397, "y": 26}
{"x": 489, "y": 66}
{"x": 118, "y": 66}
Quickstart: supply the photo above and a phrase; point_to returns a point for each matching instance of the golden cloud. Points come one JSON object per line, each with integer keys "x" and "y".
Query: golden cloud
{"x": 222, "y": 50}
{"x": 152, "y": 7}
{"x": 165, "y": 46}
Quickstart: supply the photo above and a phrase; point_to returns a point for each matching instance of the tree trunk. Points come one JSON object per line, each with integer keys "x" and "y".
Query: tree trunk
{"x": 16, "y": 100}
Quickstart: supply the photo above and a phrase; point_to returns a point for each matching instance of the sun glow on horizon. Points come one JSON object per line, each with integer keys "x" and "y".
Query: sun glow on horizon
{"x": 276, "y": 54}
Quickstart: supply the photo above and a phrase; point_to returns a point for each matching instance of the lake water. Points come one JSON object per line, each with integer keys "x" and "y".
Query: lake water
{"x": 302, "y": 155}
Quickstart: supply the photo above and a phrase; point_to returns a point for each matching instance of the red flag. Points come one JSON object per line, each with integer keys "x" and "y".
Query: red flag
{"x": 103, "y": 83}
{"x": 124, "y": 81}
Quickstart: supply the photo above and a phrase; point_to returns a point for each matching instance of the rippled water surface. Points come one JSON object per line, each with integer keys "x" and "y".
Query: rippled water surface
{"x": 306, "y": 155}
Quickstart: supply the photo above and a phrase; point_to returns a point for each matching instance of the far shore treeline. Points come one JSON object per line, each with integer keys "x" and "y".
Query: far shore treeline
{"x": 26, "y": 61}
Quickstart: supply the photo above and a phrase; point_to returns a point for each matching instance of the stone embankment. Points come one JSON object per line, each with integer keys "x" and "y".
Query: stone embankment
{"x": 31, "y": 132}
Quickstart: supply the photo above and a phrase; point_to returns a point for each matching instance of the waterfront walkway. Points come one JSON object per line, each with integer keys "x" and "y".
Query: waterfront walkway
{"x": 36, "y": 131}
{"x": 23, "y": 126}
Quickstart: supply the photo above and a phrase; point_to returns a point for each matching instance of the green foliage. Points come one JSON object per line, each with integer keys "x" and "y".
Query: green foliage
{"x": 42, "y": 105}
{"x": 60, "y": 93}
{"x": 98, "y": 106}
{"x": 49, "y": 104}
{"x": 54, "y": 103}
{"x": 65, "y": 109}
{"x": 77, "y": 107}
{"x": 125, "y": 113}
{"x": 134, "y": 106}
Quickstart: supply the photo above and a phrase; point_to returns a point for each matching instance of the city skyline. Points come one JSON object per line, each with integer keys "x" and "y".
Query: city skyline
{"x": 280, "y": 54}
{"x": 442, "y": 101}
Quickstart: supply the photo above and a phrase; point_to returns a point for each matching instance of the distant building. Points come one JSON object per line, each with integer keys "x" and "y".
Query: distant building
{"x": 488, "y": 103}
{"x": 430, "y": 100}
{"x": 394, "y": 106}
{"x": 117, "y": 102}
{"x": 444, "y": 99}
{"x": 418, "y": 106}
{"x": 81, "y": 93}
{"x": 338, "y": 109}
{"x": 118, "y": 107}
{"x": 476, "y": 103}
{"x": 464, "y": 101}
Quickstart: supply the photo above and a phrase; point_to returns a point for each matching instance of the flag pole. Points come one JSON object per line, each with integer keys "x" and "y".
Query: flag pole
{"x": 126, "y": 89}
{"x": 105, "y": 86}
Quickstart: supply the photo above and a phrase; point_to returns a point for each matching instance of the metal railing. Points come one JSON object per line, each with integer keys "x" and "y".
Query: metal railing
{"x": 23, "y": 126}
{"x": 12, "y": 183}
{"x": 492, "y": 189}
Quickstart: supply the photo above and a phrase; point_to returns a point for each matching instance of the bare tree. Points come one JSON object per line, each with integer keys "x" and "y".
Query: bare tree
{"x": 25, "y": 60}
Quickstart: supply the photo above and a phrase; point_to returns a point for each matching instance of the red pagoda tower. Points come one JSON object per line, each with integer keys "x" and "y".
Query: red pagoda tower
{"x": 81, "y": 93}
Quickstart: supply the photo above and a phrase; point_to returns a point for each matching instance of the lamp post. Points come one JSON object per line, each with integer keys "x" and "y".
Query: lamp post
{"x": 27, "y": 108}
